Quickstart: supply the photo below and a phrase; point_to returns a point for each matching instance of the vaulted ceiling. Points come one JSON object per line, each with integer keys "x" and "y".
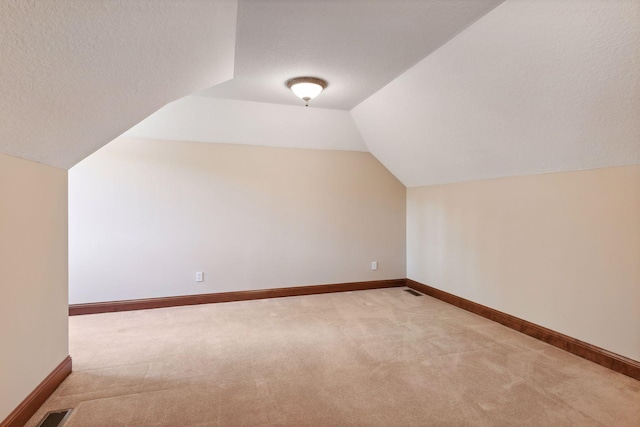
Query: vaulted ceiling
{"x": 438, "y": 90}
{"x": 532, "y": 87}
{"x": 75, "y": 74}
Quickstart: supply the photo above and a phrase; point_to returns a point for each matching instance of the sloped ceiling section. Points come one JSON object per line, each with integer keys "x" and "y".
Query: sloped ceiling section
{"x": 203, "y": 119}
{"x": 82, "y": 72}
{"x": 532, "y": 87}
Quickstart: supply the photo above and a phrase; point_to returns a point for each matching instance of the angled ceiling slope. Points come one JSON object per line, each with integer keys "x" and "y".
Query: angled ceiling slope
{"x": 532, "y": 87}
{"x": 204, "y": 119}
{"x": 76, "y": 74}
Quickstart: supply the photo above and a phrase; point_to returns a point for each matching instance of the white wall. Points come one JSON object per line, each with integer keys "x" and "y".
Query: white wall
{"x": 561, "y": 250}
{"x": 33, "y": 276}
{"x": 145, "y": 215}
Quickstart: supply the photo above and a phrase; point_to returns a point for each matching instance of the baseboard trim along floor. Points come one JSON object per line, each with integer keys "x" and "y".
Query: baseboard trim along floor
{"x": 37, "y": 397}
{"x": 585, "y": 350}
{"x": 143, "y": 304}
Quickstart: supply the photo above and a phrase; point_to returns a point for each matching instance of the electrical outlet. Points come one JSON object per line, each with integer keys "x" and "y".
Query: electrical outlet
{"x": 374, "y": 265}
{"x": 199, "y": 276}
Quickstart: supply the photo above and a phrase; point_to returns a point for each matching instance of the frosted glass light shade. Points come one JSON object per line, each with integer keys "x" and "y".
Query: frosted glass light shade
{"x": 306, "y": 88}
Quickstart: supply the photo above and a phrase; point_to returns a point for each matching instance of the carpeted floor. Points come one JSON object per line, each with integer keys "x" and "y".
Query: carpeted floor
{"x": 368, "y": 358}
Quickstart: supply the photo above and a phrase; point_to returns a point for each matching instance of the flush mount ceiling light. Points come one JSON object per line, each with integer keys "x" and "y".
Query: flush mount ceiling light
{"x": 306, "y": 88}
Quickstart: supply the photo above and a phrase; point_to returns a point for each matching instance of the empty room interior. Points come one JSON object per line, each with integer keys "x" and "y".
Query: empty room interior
{"x": 320, "y": 213}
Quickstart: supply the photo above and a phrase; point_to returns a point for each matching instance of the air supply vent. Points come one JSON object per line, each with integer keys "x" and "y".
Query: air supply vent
{"x": 414, "y": 293}
{"x": 55, "y": 418}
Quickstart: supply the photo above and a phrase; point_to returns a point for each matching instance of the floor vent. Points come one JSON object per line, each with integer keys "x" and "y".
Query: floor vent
{"x": 414, "y": 293}
{"x": 55, "y": 418}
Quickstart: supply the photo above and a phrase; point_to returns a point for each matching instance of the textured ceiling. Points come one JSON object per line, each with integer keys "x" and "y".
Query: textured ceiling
{"x": 358, "y": 46}
{"x": 532, "y": 87}
{"x": 75, "y": 74}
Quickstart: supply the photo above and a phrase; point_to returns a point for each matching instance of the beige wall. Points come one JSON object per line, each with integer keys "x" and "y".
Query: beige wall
{"x": 561, "y": 250}
{"x": 146, "y": 215}
{"x": 33, "y": 276}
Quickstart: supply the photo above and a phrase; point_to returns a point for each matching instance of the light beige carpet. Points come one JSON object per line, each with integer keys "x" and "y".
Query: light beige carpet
{"x": 368, "y": 358}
